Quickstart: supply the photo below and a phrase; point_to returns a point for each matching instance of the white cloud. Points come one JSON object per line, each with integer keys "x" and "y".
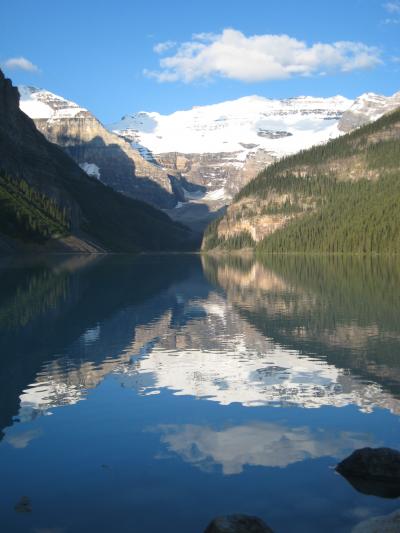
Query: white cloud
{"x": 233, "y": 55}
{"x": 160, "y": 48}
{"x": 20, "y": 63}
{"x": 392, "y": 7}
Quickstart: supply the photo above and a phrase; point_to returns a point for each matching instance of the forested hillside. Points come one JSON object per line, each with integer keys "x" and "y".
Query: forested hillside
{"x": 361, "y": 217}
{"x": 341, "y": 197}
{"x": 28, "y": 215}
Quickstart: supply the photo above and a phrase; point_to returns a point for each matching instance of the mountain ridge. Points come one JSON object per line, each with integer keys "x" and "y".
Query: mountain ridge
{"x": 222, "y": 146}
{"x": 99, "y": 152}
{"x": 97, "y": 218}
{"x": 195, "y": 161}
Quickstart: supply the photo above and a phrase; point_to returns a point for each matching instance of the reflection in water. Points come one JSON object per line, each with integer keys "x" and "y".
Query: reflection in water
{"x": 343, "y": 310}
{"x": 70, "y": 343}
{"x": 296, "y": 362}
{"x": 222, "y": 358}
{"x": 256, "y": 444}
{"x": 21, "y": 439}
{"x": 246, "y": 347}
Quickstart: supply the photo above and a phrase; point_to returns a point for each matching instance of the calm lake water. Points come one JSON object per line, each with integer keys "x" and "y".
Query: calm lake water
{"x": 150, "y": 394}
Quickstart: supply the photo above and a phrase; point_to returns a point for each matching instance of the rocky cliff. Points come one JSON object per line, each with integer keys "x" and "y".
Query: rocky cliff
{"x": 99, "y": 152}
{"x": 41, "y": 181}
{"x": 367, "y": 108}
{"x": 192, "y": 163}
{"x": 219, "y": 148}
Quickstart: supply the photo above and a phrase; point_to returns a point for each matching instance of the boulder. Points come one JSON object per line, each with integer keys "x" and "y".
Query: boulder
{"x": 237, "y": 523}
{"x": 381, "y": 464}
{"x": 375, "y": 487}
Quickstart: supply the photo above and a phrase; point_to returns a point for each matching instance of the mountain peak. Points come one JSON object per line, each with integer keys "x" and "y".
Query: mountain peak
{"x": 367, "y": 107}
{"x": 41, "y": 104}
{"x": 279, "y": 126}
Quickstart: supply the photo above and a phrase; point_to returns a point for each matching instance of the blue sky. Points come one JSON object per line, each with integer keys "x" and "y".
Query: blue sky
{"x": 106, "y": 55}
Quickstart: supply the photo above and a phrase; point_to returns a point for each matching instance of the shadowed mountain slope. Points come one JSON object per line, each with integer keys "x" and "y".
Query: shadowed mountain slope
{"x": 42, "y": 187}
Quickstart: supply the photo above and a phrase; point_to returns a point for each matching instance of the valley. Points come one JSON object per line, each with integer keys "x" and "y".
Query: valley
{"x": 200, "y": 267}
{"x": 192, "y": 163}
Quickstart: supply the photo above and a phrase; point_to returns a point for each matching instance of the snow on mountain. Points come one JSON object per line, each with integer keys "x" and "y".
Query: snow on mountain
{"x": 244, "y": 125}
{"x": 367, "y": 108}
{"x": 99, "y": 152}
{"x": 91, "y": 169}
{"x": 38, "y": 103}
{"x": 210, "y": 151}
{"x": 218, "y": 148}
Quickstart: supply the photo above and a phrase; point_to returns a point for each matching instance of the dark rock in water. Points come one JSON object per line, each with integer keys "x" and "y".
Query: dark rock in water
{"x": 380, "y": 524}
{"x": 382, "y": 464}
{"x": 24, "y": 505}
{"x": 375, "y": 487}
{"x": 237, "y": 523}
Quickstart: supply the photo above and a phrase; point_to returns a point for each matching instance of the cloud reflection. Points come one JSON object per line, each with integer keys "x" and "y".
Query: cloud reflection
{"x": 256, "y": 444}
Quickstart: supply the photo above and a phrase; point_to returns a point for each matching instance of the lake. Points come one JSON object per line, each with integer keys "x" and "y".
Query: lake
{"x": 153, "y": 393}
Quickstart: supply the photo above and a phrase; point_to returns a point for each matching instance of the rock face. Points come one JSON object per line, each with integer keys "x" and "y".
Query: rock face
{"x": 381, "y": 464}
{"x": 254, "y": 216}
{"x": 199, "y": 158}
{"x": 219, "y": 148}
{"x": 25, "y": 152}
{"x": 367, "y": 108}
{"x": 237, "y": 523}
{"x": 218, "y": 176}
{"x": 380, "y": 524}
{"x": 100, "y": 153}
{"x": 98, "y": 217}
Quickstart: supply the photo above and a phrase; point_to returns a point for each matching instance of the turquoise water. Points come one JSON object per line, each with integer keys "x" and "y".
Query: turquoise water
{"x": 151, "y": 394}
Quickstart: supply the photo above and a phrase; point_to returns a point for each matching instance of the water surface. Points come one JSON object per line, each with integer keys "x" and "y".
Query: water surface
{"x": 149, "y": 394}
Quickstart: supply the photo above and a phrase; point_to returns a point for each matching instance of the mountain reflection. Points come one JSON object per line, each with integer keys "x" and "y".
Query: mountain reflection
{"x": 284, "y": 331}
{"x": 342, "y": 310}
{"x": 55, "y": 349}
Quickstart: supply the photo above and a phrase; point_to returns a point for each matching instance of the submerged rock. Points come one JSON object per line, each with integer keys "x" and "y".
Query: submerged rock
{"x": 237, "y": 523}
{"x": 382, "y": 464}
{"x": 24, "y": 505}
{"x": 380, "y": 524}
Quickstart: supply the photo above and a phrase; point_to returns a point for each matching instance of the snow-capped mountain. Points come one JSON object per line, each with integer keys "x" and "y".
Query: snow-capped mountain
{"x": 243, "y": 126}
{"x": 367, "y": 108}
{"x": 41, "y": 104}
{"x": 221, "y": 147}
{"x": 100, "y": 153}
{"x": 193, "y": 162}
